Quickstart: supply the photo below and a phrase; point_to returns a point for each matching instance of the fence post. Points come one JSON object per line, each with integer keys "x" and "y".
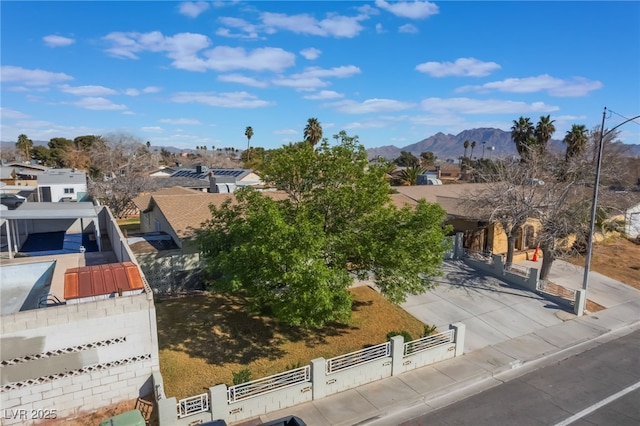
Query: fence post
{"x": 498, "y": 264}
{"x": 397, "y": 354}
{"x": 218, "y": 402}
{"x": 319, "y": 378}
{"x": 532, "y": 281}
{"x": 458, "y": 250}
{"x": 459, "y": 330}
{"x": 580, "y": 296}
{"x": 167, "y": 411}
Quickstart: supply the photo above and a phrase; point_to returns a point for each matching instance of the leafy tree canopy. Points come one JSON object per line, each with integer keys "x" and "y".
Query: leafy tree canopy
{"x": 297, "y": 254}
{"x": 406, "y": 159}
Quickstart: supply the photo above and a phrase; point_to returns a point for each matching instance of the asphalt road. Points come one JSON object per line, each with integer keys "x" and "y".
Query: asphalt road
{"x": 598, "y": 387}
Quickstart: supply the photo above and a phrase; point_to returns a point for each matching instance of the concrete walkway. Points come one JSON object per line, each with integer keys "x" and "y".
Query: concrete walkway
{"x": 509, "y": 332}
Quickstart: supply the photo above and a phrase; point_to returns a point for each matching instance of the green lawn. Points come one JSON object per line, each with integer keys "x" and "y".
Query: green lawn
{"x": 204, "y": 339}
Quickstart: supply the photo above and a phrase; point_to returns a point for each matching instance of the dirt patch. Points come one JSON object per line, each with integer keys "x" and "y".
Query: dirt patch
{"x": 617, "y": 258}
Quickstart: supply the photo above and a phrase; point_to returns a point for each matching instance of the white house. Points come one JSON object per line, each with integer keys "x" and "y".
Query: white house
{"x": 632, "y": 221}
{"x": 62, "y": 185}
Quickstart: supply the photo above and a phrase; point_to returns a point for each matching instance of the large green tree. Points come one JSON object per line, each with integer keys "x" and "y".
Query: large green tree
{"x": 576, "y": 140}
{"x": 406, "y": 159}
{"x": 296, "y": 254}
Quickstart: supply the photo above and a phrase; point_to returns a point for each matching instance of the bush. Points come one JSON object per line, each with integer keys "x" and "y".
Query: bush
{"x": 242, "y": 376}
{"x": 429, "y": 330}
{"x": 403, "y": 333}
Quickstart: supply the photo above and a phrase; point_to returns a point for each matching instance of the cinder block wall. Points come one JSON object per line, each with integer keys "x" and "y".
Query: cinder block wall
{"x": 77, "y": 358}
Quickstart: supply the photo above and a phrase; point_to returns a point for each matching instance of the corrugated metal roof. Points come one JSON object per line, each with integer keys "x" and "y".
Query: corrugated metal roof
{"x": 98, "y": 280}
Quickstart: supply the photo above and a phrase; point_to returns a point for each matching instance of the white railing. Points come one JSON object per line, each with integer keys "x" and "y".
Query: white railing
{"x": 268, "y": 384}
{"x": 521, "y": 270}
{"x": 193, "y": 405}
{"x": 353, "y": 359}
{"x": 428, "y": 342}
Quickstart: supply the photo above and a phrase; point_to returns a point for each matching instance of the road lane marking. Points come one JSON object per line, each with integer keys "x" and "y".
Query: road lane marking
{"x": 598, "y": 405}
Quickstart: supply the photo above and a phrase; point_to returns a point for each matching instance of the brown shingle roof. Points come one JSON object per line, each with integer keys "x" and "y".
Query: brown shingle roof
{"x": 187, "y": 212}
{"x": 142, "y": 201}
{"x": 450, "y": 197}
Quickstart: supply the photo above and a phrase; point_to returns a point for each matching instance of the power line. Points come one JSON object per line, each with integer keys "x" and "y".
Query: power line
{"x": 626, "y": 118}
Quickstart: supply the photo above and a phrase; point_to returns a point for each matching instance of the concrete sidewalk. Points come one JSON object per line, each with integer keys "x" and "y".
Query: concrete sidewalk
{"x": 509, "y": 332}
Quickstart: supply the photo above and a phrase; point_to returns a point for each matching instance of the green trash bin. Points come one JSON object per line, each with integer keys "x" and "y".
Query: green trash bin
{"x": 130, "y": 418}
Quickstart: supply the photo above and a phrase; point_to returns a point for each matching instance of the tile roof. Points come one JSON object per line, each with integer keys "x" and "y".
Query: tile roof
{"x": 142, "y": 200}
{"x": 450, "y": 197}
{"x": 98, "y": 280}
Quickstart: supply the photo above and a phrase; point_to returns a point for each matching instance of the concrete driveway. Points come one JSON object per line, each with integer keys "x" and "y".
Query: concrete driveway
{"x": 492, "y": 310}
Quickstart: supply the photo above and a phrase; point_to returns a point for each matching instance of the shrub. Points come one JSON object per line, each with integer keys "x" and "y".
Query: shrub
{"x": 242, "y": 376}
{"x": 403, "y": 333}
{"x": 429, "y": 330}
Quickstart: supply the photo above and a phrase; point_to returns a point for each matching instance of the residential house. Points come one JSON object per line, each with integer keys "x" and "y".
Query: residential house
{"x": 479, "y": 233}
{"x": 78, "y": 318}
{"x": 62, "y": 185}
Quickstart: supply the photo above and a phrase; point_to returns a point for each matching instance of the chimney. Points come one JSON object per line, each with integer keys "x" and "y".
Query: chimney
{"x": 213, "y": 188}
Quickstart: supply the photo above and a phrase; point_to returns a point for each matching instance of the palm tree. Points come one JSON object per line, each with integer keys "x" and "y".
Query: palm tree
{"x": 576, "y": 140}
{"x": 24, "y": 144}
{"x": 543, "y": 132}
{"x": 522, "y": 135}
{"x": 248, "y": 132}
{"x": 313, "y": 131}
{"x": 409, "y": 176}
{"x": 473, "y": 145}
{"x": 466, "y": 145}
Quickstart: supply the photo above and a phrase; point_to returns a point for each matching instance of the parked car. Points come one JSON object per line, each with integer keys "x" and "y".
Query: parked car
{"x": 12, "y": 200}
{"x": 285, "y": 421}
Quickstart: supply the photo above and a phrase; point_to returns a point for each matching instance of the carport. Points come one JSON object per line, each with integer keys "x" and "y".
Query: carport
{"x": 46, "y": 217}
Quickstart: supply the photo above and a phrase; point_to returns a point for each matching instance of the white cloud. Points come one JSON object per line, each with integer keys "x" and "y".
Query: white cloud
{"x": 184, "y": 48}
{"x": 248, "y": 30}
{"x": 152, "y": 129}
{"x": 465, "y": 67}
{"x": 98, "y": 103}
{"x": 241, "y": 79}
{"x": 369, "y": 106}
{"x": 12, "y": 114}
{"x": 575, "y": 87}
{"x": 136, "y": 92}
{"x": 151, "y": 89}
{"x": 181, "y": 121}
{"x": 374, "y": 124}
{"x": 379, "y": 28}
{"x": 193, "y": 8}
{"x": 87, "y": 90}
{"x": 224, "y": 100}
{"x": 311, "y": 53}
{"x": 57, "y": 41}
{"x": 324, "y": 94}
{"x": 31, "y": 77}
{"x": 408, "y": 28}
{"x": 332, "y": 26}
{"x": 478, "y": 106}
{"x": 414, "y": 9}
{"x": 131, "y": 92}
{"x": 223, "y": 58}
{"x": 312, "y": 77}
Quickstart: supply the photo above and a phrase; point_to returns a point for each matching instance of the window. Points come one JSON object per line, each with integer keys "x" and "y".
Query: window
{"x": 68, "y": 190}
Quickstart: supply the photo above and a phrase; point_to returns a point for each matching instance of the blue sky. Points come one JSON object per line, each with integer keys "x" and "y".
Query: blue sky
{"x": 188, "y": 74}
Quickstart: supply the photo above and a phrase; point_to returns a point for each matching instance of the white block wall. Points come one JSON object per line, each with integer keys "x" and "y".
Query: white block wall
{"x": 66, "y": 329}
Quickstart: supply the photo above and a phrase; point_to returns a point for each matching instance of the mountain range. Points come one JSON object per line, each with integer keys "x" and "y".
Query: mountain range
{"x": 496, "y": 143}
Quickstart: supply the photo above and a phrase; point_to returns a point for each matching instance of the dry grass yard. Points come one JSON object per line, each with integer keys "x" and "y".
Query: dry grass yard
{"x": 206, "y": 338}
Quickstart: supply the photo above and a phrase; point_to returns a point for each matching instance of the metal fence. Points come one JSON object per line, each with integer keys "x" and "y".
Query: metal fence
{"x": 482, "y": 256}
{"x": 428, "y": 342}
{"x": 193, "y": 405}
{"x": 353, "y": 359}
{"x": 521, "y": 270}
{"x": 556, "y": 290}
{"x": 268, "y": 384}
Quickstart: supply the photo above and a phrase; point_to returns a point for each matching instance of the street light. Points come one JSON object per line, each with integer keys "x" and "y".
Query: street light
{"x": 594, "y": 204}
